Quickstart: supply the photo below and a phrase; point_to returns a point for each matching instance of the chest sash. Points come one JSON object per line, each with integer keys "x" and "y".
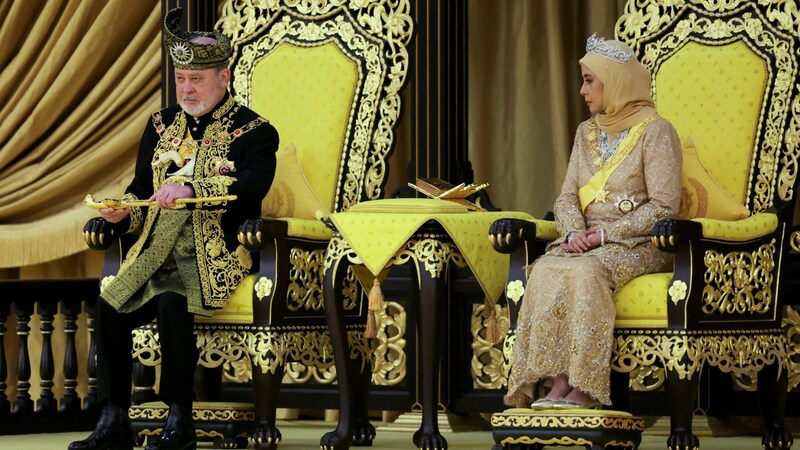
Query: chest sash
{"x": 594, "y": 190}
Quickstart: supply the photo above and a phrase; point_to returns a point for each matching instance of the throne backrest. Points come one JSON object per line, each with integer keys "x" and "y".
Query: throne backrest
{"x": 724, "y": 75}
{"x": 328, "y": 78}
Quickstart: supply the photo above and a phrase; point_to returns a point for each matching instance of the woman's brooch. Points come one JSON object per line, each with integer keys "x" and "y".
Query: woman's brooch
{"x": 626, "y": 204}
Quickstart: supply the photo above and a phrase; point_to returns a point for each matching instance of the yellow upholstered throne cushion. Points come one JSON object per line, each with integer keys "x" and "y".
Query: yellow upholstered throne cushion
{"x": 309, "y": 93}
{"x": 238, "y": 308}
{"x": 641, "y": 303}
{"x": 701, "y": 195}
{"x": 290, "y": 194}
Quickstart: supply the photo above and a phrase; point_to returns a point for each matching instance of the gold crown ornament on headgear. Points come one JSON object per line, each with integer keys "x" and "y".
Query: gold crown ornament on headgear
{"x": 188, "y": 55}
{"x": 613, "y": 50}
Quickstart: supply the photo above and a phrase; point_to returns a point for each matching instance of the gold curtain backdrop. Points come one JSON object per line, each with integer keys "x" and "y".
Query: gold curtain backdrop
{"x": 79, "y": 79}
{"x": 524, "y": 101}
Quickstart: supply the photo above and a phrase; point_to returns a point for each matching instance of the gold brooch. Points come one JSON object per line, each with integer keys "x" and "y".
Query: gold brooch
{"x": 626, "y": 205}
{"x": 601, "y": 195}
{"x": 224, "y": 167}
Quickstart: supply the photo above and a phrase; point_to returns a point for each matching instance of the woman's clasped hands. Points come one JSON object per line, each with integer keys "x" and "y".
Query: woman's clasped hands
{"x": 583, "y": 241}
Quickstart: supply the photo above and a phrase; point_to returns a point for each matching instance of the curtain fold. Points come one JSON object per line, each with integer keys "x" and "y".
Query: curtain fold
{"x": 524, "y": 101}
{"x": 79, "y": 79}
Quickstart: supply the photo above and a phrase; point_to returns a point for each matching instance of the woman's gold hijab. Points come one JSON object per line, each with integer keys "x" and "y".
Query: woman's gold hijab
{"x": 626, "y": 84}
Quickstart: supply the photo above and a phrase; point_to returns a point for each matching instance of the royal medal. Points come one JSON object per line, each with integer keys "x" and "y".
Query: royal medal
{"x": 626, "y": 205}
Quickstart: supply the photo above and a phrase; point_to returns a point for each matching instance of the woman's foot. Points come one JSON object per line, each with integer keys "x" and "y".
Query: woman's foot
{"x": 577, "y": 399}
{"x": 561, "y": 389}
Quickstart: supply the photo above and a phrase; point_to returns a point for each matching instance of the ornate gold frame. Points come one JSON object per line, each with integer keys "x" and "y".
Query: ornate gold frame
{"x": 311, "y": 23}
{"x": 712, "y": 22}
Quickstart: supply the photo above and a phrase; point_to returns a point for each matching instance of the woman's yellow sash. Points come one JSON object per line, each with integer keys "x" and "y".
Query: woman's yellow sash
{"x": 594, "y": 189}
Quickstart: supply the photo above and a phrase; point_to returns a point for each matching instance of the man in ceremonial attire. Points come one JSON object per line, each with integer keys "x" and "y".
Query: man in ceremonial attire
{"x": 186, "y": 260}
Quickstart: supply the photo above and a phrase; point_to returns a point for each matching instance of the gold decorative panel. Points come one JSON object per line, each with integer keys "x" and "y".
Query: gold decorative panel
{"x": 305, "y": 279}
{"x": 765, "y": 28}
{"x": 488, "y": 366}
{"x": 739, "y": 282}
{"x": 740, "y": 352}
{"x": 389, "y": 357}
{"x": 791, "y": 323}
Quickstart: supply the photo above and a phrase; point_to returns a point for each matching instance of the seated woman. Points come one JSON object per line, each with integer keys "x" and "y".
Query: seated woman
{"x": 624, "y": 175}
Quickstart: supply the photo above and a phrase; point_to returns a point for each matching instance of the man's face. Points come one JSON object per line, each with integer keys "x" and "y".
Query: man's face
{"x": 199, "y": 91}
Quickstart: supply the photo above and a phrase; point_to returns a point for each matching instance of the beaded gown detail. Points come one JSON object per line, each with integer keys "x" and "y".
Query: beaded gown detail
{"x": 566, "y": 320}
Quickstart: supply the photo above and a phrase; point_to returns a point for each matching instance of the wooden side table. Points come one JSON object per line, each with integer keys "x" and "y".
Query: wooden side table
{"x": 431, "y": 250}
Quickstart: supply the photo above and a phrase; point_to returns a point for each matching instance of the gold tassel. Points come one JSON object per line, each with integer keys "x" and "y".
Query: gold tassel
{"x": 376, "y": 303}
{"x": 371, "y": 330}
{"x": 492, "y": 327}
{"x": 376, "y": 296}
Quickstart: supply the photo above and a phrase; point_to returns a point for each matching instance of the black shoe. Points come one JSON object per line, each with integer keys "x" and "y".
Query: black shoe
{"x": 178, "y": 433}
{"x": 113, "y": 432}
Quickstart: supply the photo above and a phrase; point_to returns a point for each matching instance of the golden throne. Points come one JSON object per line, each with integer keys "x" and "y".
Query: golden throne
{"x": 327, "y": 75}
{"x": 725, "y": 75}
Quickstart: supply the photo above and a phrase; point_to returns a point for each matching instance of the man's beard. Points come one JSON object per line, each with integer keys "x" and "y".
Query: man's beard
{"x": 199, "y": 109}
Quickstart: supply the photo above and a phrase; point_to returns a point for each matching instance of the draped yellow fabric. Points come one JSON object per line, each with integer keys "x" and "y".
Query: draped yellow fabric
{"x": 377, "y": 229}
{"x": 79, "y": 80}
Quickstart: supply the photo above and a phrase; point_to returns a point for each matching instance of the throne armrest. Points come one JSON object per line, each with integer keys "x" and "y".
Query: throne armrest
{"x": 253, "y": 233}
{"x": 669, "y": 234}
{"x": 100, "y": 234}
{"x": 523, "y": 240}
{"x": 743, "y": 230}
{"x": 507, "y": 235}
{"x": 725, "y": 272}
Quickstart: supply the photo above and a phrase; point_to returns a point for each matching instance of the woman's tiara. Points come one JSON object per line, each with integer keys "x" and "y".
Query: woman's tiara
{"x": 599, "y": 46}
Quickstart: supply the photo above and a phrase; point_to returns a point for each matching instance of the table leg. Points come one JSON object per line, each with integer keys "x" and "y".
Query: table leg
{"x": 342, "y": 437}
{"x": 430, "y": 331}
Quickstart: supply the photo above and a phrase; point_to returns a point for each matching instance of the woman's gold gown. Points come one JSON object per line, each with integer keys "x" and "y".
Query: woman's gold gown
{"x": 566, "y": 321}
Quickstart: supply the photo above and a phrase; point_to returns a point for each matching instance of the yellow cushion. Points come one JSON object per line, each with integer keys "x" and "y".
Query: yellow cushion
{"x": 409, "y": 206}
{"x": 239, "y": 308}
{"x": 290, "y": 195}
{"x": 701, "y": 195}
{"x": 716, "y": 94}
{"x": 642, "y": 302}
{"x": 307, "y": 229}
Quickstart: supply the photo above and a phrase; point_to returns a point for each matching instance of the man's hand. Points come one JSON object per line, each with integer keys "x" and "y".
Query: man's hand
{"x": 166, "y": 196}
{"x": 582, "y": 241}
{"x": 114, "y": 215}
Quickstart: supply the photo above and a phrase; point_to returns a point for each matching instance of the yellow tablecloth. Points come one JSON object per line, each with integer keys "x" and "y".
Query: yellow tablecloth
{"x": 377, "y": 229}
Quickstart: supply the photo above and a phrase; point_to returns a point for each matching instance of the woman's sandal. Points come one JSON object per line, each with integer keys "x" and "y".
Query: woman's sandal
{"x": 563, "y": 403}
{"x": 543, "y": 403}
